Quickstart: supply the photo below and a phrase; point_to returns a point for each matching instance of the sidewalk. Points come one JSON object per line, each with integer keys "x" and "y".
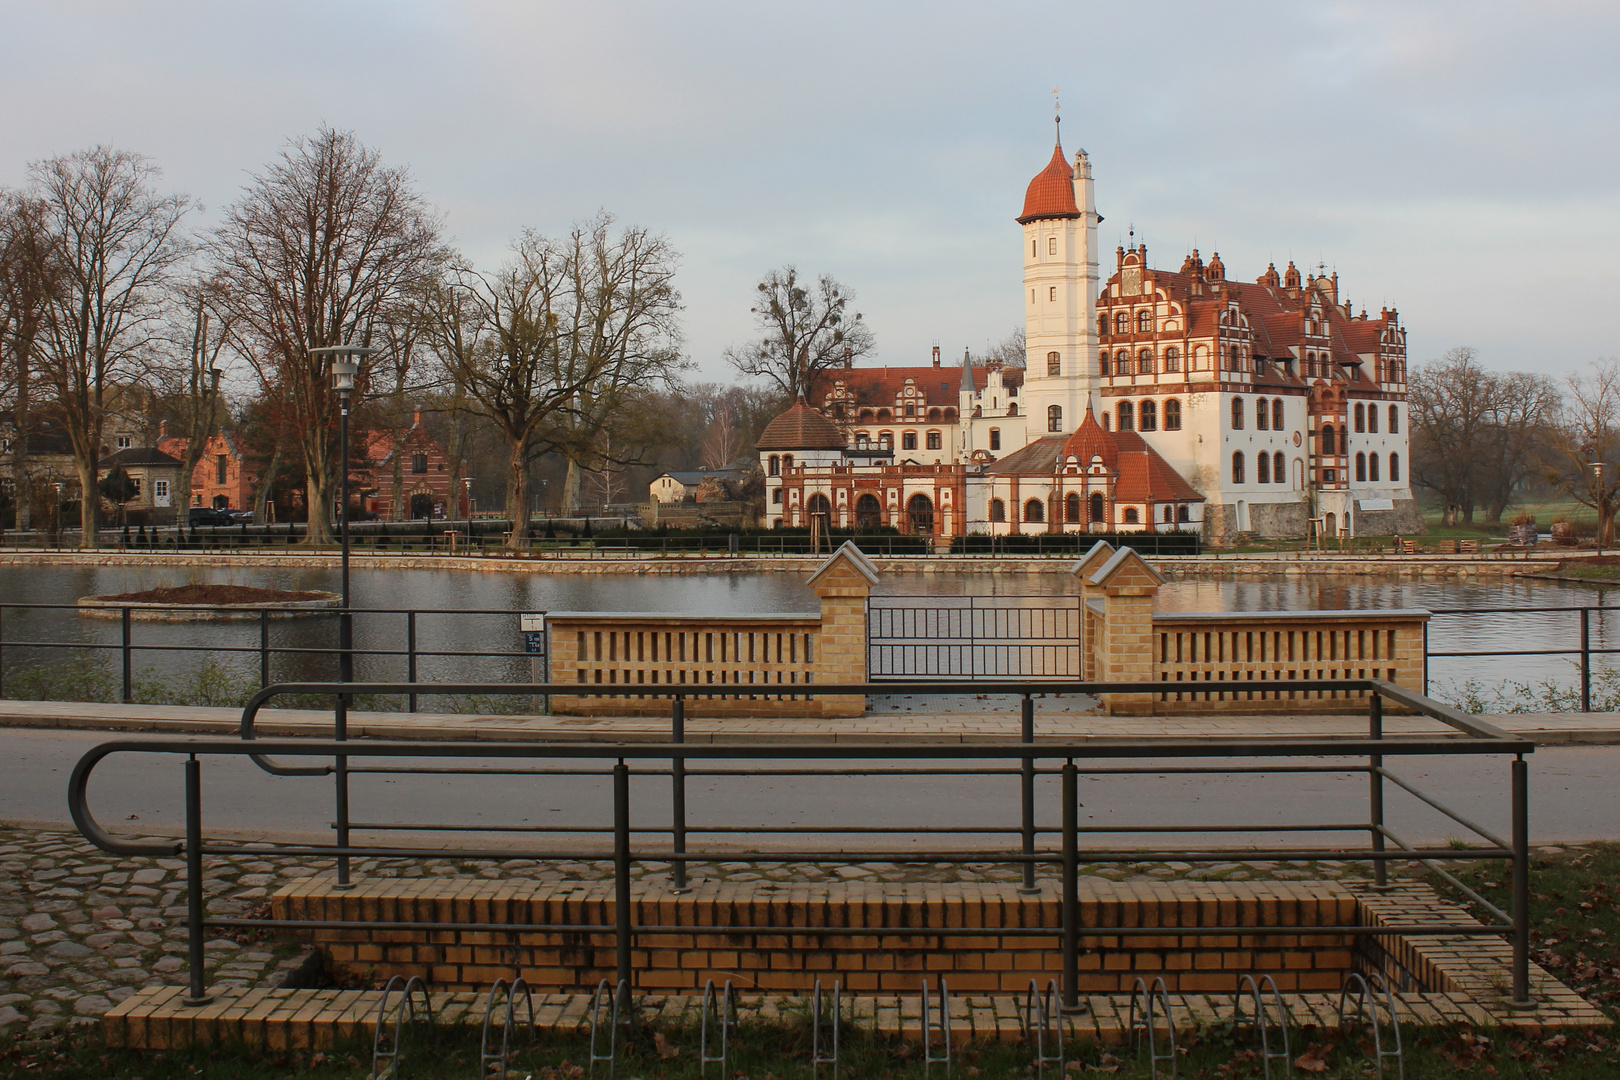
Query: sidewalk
{"x": 890, "y": 719}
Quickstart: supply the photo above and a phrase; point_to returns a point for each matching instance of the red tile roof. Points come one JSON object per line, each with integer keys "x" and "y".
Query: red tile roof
{"x": 1142, "y": 474}
{"x": 1051, "y": 193}
{"x": 880, "y": 386}
{"x": 801, "y": 428}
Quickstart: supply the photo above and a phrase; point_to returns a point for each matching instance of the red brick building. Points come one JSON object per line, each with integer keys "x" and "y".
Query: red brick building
{"x": 424, "y": 474}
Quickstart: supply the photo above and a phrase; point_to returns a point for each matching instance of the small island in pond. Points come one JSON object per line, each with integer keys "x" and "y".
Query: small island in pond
{"x": 208, "y": 601}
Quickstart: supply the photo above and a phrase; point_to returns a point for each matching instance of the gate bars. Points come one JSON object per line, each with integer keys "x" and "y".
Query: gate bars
{"x": 954, "y": 759}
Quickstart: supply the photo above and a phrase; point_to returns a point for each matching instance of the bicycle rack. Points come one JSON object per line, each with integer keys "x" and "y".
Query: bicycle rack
{"x": 1367, "y": 988}
{"x": 616, "y": 1003}
{"x": 817, "y": 1058}
{"x": 1265, "y": 996}
{"x": 1146, "y": 1002}
{"x": 1042, "y": 1017}
{"x": 385, "y": 1042}
{"x": 722, "y": 1009}
{"x": 494, "y": 1064}
{"x": 929, "y": 1058}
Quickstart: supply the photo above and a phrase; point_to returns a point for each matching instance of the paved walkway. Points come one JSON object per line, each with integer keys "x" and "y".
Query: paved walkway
{"x": 889, "y": 718}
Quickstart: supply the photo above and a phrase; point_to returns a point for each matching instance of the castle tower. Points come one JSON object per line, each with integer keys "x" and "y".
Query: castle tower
{"x": 1060, "y": 294}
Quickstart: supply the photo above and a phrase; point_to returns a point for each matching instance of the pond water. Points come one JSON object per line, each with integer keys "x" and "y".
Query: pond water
{"x": 479, "y": 607}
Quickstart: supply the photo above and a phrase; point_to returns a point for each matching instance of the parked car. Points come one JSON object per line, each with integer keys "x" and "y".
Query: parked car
{"x": 207, "y": 515}
{"x": 239, "y": 516}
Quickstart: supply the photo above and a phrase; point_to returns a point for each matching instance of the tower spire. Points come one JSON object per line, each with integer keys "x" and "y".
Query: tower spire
{"x": 1057, "y": 118}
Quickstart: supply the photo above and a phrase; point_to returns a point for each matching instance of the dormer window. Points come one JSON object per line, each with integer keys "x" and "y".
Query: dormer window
{"x": 125, "y": 442}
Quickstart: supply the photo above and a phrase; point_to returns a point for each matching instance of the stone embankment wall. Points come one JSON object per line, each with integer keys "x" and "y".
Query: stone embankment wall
{"x": 1210, "y": 567}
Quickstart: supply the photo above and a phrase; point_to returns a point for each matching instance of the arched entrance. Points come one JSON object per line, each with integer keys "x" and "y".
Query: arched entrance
{"x": 421, "y": 505}
{"x": 1330, "y": 526}
{"x": 920, "y": 511}
{"x": 868, "y": 512}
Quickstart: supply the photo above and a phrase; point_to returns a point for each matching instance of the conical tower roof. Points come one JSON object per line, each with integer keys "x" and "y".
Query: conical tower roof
{"x": 1051, "y": 193}
{"x": 1088, "y": 441}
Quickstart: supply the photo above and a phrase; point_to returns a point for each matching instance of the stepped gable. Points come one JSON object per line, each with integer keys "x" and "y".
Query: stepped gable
{"x": 1051, "y": 193}
{"x": 801, "y": 428}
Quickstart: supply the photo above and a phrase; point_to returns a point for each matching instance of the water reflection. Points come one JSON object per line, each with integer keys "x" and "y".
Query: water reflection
{"x": 505, "y": 593}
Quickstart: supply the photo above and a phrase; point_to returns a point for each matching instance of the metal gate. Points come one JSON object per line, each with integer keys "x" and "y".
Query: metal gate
{"x": 967, "y": 637}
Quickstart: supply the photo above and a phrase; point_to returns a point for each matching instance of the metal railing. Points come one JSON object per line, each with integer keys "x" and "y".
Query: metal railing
{"x": 1025, "y": 759}
{"x": 1028, "y": 636}
{"x": 260, "y": 620}
{"x": 1583, "y": 648}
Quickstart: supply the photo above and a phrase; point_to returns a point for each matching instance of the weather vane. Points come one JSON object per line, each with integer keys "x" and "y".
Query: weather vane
{"x": 1056, "y": 106}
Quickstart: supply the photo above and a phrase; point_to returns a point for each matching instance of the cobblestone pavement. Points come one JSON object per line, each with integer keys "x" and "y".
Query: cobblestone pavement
{"x": 81, "y": 930}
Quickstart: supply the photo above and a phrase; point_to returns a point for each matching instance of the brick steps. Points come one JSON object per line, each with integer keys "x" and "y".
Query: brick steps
{"x": 157, "y": 1019}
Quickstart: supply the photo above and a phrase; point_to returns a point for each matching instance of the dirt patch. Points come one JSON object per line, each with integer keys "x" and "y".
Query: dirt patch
{"x": 213, "y": 594}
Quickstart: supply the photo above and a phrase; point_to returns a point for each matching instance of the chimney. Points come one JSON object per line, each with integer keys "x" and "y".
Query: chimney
{"x": 849, "y": 358}
{"x": 936, "y": 356}
{"x": 416, "y": 418}
{"x": 163, "y": 430}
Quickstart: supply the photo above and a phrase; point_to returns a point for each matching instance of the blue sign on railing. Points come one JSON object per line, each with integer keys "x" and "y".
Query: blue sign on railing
{"x": 533, "y": 627}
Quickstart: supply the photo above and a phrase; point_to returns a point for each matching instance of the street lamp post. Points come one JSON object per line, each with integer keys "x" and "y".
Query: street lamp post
{"x": 1597, "y": 473}
{"x": 343, "y": 372}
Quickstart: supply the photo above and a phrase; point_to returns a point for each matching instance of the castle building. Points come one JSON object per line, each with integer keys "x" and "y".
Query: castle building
{"x": 1155, "y": 400}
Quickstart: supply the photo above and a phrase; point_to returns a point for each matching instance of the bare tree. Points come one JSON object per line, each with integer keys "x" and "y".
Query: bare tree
{"x": 802, "y": 330}
{"x": 114, "y": 245}
{"x": 28, "y": 280}
{"x": 191, "y": 391}
{"x": 1583, "y": 455}
{"x": 1526, "y": 407}
{"x": 723, "y": 442}
{"x": 1451, "y": 404}
{"x": 1010, "y": 351}
{"x": 312, "y": 255}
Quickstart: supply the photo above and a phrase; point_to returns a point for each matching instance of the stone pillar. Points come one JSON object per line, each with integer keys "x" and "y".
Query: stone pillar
{"x": 1127, "y": 646}
{"x": 843, "y": 583}
{"x": 1090, "y": 619}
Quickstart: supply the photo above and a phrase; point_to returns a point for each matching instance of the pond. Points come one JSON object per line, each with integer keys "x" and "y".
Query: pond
{"x": 480, "y": 607}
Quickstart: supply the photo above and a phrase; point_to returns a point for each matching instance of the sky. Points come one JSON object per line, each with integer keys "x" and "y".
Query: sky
{"x": 1457, "y": 161}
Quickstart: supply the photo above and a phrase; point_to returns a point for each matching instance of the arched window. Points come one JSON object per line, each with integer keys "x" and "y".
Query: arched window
{"x": 1372, "y": 468}
{"x": 1182, "y": 514}
{"x": 1200, "y": 358}
{"x": 1144, "y": 362}
{"x": 935, "y": 440}
{"x": 995, "y": 438}
{"x": 1122, "y": 324}
{"x": 1361, "y": 417}
{"x": 1237, "y": 467}
{"x": 1372, "y": 419}
{"x": 775, "y": 465}
{"x": 1122, "y": 363}
{"x": 1394, "y": 426}
{"x": 863, "y": 440}
{"x": 1361, "y": 468}
{"x": 1144, "y": 322}
{"x": 1262, "y": 414}
{"x": 998, "y": 510}
{"x": 1102, "y": 326}
{"x": 1071, "y": 509}
{"x": 1147, "y": 418}
{"x": 1262, "y": 468}
{"x": 1172, "y": 414}
{"x": 1237, "y": 414}
{"x": 1276, "y": 414}
{"x": 920, "y": 509}
{"x": 1097, "y": 507}
{"x": 1279, "y": 469}
{"x": 1034, "y": 511}
{"x": 1131, "y": 516}
{"x": 1172, "y": 359}
{"x": 1127, "y": 416}
{"x": 1054, "y": 418}
{"x": 868, "y": 512}
{"x": 908, "y": 440}
{"x": 1328, "y": 440}
{"x": 1394, "y": 468}
{"x": 885, "y": 440}
{"x": 818, "y": 504}
{"x": 1108, "y": 421}
{"x": 1054, "y": 363}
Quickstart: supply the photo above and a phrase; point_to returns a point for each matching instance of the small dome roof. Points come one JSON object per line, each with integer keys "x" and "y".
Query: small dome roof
{"x": 1090, "y": 440}
{"x": 1051, "y": 193}
{"x": 801, "y": 428}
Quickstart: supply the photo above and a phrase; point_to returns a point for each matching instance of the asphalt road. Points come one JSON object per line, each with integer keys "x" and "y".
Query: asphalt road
{"x": 1573, "y": 797}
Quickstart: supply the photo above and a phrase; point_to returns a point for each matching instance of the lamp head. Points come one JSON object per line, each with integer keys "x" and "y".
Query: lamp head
{"x": 343, "y": 373}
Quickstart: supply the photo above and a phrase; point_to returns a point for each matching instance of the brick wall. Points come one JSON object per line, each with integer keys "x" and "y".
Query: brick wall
{"x": 958, "y": 930}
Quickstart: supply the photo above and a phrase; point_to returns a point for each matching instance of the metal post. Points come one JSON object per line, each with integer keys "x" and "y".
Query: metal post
{"x": 1521, "y": 885}
{"x": 194, "y": 883}
{"x": 677, "y": 772}
{"x": 129, "y": 688}
{"x": 1071, "y": 886}
{"x": 1027, "y": 794}
{"x": 1586, "y": 659}
{"x": 621, "y": 870}
{"x": 2, "y": 652}
{"x": 410, "y": 657}
{"x": 1425, "y": 658}
{"x": 264, "y": 648}
{"x": 345, "y": 654}
{"x": 1375, "y": 789}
